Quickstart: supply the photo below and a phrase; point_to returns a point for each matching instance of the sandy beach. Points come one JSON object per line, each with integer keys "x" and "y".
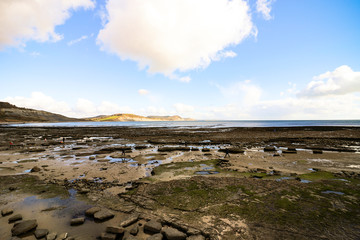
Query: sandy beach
{"x": 276, "y": 183}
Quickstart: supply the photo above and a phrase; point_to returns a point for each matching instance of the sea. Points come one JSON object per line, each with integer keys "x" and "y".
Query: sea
{"x": 200, "y": 124}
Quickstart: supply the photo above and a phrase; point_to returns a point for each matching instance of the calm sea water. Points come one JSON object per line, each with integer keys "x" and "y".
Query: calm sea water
{"x": 200, "y": 124}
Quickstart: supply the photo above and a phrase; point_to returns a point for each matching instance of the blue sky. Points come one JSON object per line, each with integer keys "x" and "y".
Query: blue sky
{"x": 219, "y": 59}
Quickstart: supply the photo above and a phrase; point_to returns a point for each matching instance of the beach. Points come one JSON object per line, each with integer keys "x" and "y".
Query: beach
{"x": 275, "y": 182}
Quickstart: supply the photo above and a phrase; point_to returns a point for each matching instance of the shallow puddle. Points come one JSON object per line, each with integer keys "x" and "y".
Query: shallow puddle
{"x": 55, "y": 215}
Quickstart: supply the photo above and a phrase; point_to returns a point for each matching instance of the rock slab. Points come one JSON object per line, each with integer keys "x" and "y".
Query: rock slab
{"x": 108, "y": 236}
{"x": 103, "y": 215}
{"x": 173, "y": 234}
{"x": 15, "y": 218}
{"x": 114, "y": 230}
{"x": 40, "y": 233}
{"x": 23, "y": 227}
{"x": 92, "y": 211}
{"x": 130, "y": 220}
{"x": 152, "y": 226}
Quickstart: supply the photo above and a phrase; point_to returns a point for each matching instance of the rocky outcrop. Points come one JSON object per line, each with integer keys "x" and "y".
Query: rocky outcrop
{"x": 12, "y": 113}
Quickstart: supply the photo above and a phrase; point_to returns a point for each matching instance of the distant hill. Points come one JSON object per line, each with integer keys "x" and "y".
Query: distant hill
{"x": 121, "y": 117}
{"x": 12, "y": 113}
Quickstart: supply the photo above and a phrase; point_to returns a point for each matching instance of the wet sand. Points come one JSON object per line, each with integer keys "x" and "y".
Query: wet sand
{"x": 99, "y": 165}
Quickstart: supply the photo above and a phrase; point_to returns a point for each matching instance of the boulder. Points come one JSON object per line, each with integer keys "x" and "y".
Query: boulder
{"x": 7, "y": 211}
{"x": 157, "y": 236}
{"x": 15, "y": 218}
{"x": 173, "y": 234}
{"x": 92, "y": 211}
{"x": 103, "y": 215}
{"x": 107, "y": 236}
{"x": 51, "y": 236}
{"x": 35, "y": 169}
{"x": 41, "y": 233}
{"x": 23, "y": 227}
{"x": 129, "y": 220}
{"x": 115, "y": 230}
{"x": 152, "y": 226}
{"x": 134, "y": 231}
{"x": 77, "y": 221}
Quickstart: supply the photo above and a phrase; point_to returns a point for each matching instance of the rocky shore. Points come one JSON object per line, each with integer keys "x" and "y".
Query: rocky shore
{"x": 175, "y": 183}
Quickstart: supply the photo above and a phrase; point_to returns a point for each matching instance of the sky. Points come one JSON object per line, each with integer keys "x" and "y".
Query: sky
{"x": 203, "y": 59}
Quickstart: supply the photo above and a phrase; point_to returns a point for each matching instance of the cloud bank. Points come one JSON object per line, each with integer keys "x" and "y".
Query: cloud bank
{"x": 341, "y": 81}
{"x": 180, "y": 35}
{"x": 23, "y": 20}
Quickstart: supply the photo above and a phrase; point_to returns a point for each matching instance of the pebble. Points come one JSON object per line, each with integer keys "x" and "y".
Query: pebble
{"x": 40, "y": 233}
{"x": 7, "y": 211}
{"x": 77, "y": 221}
{"x": 63, "y": 236}
{"x": 152, "y": 226}
{"x": 92, "y": 211}
{"x": 134, "y": 231}
{"x": 15, "y": 218}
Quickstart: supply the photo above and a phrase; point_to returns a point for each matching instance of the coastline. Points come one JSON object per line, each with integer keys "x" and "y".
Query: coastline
{"x": 166, "y": 172}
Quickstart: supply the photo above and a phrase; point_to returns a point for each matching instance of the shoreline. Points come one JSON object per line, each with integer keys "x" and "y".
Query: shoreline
{"x": 181, "y": 178}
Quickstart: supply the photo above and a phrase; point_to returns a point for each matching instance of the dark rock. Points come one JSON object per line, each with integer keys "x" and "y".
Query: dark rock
{"x": 129, "y": 220}
{"x": 92, "y": 211}
{"x": 134, "y": 231}
{"x": 289, "y": 151}
{"x": 40, "y": 233}
{"x": 152, "y": 226}
{"x": 173, "y": 234}
{"x": 232, "y": 150}
{"x": 157, "y": 236}
{"x": 317, "y": 151}
{"x": 77, "y": 221}
{"x": 103, "y": 214}
{"x": 23, "y": 227}
{"x": 107, "y": 236}
{"x": 269, "y": 149}
{"x": 12, "y": 188}
{"x": 15, "y": 218}
{"x": 7, "y": 211}
{"x": 193, "y": 231}
{"x": 114, "y": 230}
{"x": 35, "y": 169}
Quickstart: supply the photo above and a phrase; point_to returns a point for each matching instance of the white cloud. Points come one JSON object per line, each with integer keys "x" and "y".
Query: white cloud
{"x": 143, "y": 91}
{"x": 23, "y": 20}
{"x": 83, "y": 107}
{"x": 264, "y": 7}
{"x": 342, "y": 80}
{"x": 40, "y": 101}
{"x": 72, "y": 42}
{"x": 183, "y": 109}
{"x": 179, "y": 35}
